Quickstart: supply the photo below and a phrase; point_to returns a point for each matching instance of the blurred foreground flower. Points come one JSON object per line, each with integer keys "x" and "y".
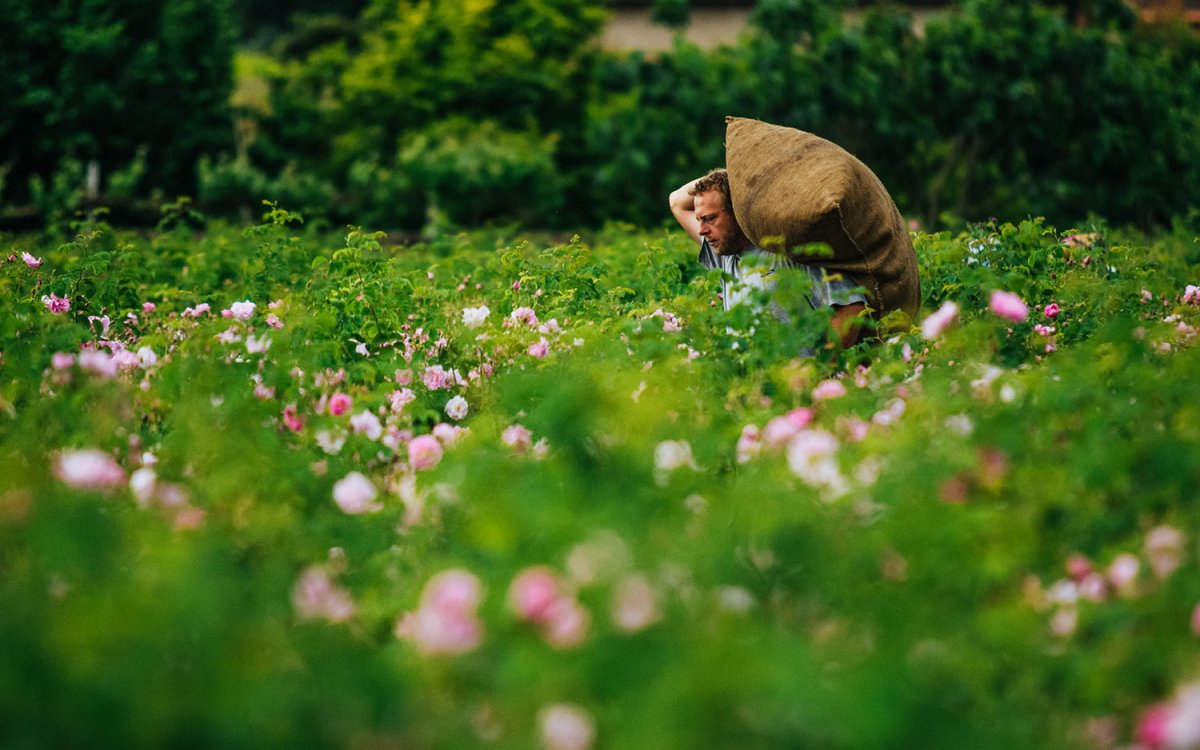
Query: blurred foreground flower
{"x": 355, "y": 494}
{"x": 537, "y": 596}
{"x": 89, "y": 469}
{"x": 1008, "y": 306}
{"x": 316, "y": 597}
{"x": 445, "y": 621}
{"x": 937, "y": 323}
{"x": 566, "y": 726}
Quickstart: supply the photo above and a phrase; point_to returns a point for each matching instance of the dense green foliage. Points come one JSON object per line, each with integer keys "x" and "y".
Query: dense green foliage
{"x": 140, "y": 87}
{"x": 937, "y": 557}
{"x": 420, "y": 114}
{"x": 996, "y": 108}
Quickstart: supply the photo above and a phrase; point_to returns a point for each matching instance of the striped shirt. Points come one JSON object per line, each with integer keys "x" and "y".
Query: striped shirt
{"x": 751, "y": 269}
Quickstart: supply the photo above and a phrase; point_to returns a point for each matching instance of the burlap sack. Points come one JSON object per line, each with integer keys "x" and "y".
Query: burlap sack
{"x": 791, "y": 188}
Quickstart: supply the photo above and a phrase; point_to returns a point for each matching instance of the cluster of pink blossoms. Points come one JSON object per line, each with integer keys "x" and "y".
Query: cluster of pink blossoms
{"x": 1163, "y": 550}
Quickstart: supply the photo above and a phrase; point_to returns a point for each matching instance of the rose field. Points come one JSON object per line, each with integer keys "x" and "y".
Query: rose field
{"x": 282, "y": 486}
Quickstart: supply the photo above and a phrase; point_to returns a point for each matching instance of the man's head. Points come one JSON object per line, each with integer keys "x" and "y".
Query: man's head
{"x": 714, "y": 212}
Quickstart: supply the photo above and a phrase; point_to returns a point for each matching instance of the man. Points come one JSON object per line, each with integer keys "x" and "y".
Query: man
{"x": 705, "y": 211}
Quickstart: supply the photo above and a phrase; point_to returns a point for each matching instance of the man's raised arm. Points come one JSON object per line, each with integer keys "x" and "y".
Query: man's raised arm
{"x": 683, "y": 207}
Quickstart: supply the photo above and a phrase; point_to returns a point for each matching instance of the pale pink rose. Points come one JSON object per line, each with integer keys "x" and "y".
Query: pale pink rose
{"x": 105, "y": 323}
{"x": 517, "y": 437}
{"x": 56, "y": 304}
{"x": 533, "y": 593}
{"x": 673, "y": 454}
{"x": 448, "y": 434}
{"x": 1051, "y": 310}
{"x": 749, "y": 443}
{"x": 242, "y": 310}
{"x": 1183, "y": 725}
{"x": 88, "y": 469}
{"x": 445, "y": 621}
{"x": 1008, "y": 306}
{"x": 274, "y": 321}
{"x": 125, "y": 360}
{"x": 829, "y": 389}
{"x": 566, "y": 625}
{"x": 339, "y": 404}
{"x": 366, "y": 423}
{"x": 146, "y": 357}
{"x": 457, "y": 407}
{"x": 436, "y": 378}
{"x": 524, "y": 315}
{"x": 1191, "y": 295}
{"x": 540, "y": 348}
{"x": 148, "y": 307}
{"x": 61, "y": 360}
{"x": 550, "y": 326}
{"x": 143, "y": 483}
{"x": 316, "y": 597}
{"x": 403, "y": 377}
{"x": 98, "y": 362}
{"x": 424, "y": 452}
{"x": 401, "y": 398}
{"x": 31, "y": 261}
{"x": 355, "y": 494}
{"x": 255, "y": 345}
{"x": 937, "y": 323}
{"x": 1164, "y": 548}
{"x": 1123, "y": 572}
{"x": 1042, "y": 330}
{"x": 1147, "y": 296}
{"x": 635, "y": 605}
{"x": 565, "y": 726}
{"x": 197, "y": 311}
{"x": 1064, "y": 622}
{"x": 1093, "y": 588}
{"x": 854, "y": 428}
{"x": 778, "y": 431}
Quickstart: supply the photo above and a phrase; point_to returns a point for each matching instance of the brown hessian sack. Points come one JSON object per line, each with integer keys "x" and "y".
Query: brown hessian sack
{"x": 791, "y": 189}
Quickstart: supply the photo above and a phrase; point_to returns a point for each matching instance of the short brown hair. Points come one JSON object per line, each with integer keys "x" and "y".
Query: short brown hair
{"x": 716, "y": 180}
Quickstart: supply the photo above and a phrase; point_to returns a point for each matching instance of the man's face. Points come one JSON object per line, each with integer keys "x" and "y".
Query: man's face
{"x": 718, "y": 224}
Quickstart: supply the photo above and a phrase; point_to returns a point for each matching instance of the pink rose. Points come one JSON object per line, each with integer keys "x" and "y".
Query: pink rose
{"x": 937, "y": 323}
{"x": 635, "y": 605}
{"x": 533, "y": 593}
{"x": 1008, "y": 306}
{"x": 1052, "y": 310}
{"x": 829, "y": 389}
{"x": 55, "y": 304}
{"x": 445, "y": 621}
{"x": 355, "y": 495}
{"x": 316, "y": 597}
{"x": 291, "y": 418}
{"x": 89, "y": 469}
{"x": 424, "y": 452}
{"x": 339, "y": 404}
{"x": 540, "y": 348}
{"x": 517, "y": 437}
{"x": 31, "y": 261}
